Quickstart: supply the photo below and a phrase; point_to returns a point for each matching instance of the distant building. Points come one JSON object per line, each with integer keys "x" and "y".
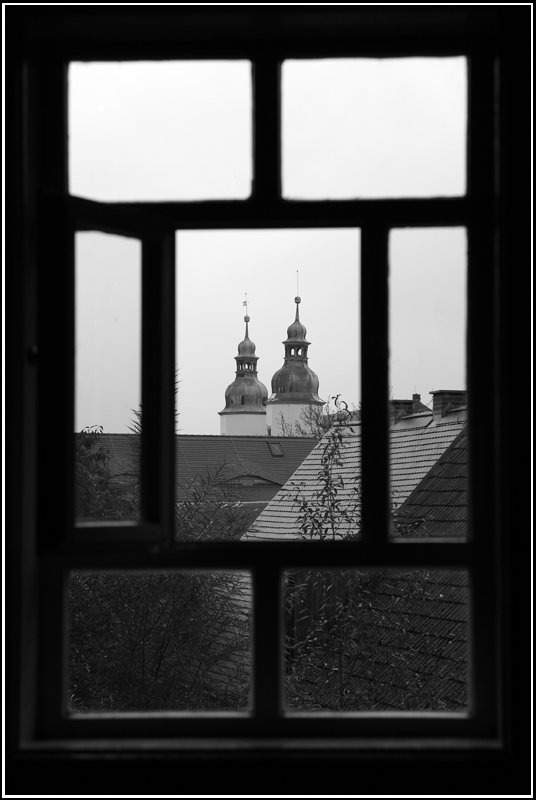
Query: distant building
{"x": 295, "y": 385}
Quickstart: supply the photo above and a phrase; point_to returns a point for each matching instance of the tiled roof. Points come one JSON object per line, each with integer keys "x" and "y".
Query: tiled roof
{"x": 413, "y": 452}
{"x": 241, "y": 456}
{"x": 229, "y": 676}
{"x": 124, "y": 454}
{"x": 439, "y": 504}
{"x": 409, "y": 650}
{"x": 419, "y": 420}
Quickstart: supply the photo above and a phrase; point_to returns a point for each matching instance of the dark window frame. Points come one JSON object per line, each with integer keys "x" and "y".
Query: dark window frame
{"x": 43, "y": 554}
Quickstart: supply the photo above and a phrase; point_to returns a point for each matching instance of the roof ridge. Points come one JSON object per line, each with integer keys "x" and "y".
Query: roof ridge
{"x": 262, "y": 437}
{"x": 227, "y": 437}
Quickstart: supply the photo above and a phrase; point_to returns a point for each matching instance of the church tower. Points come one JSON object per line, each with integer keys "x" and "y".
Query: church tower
{"x": 295, "y": 385}
{"x": 245, "y": 398}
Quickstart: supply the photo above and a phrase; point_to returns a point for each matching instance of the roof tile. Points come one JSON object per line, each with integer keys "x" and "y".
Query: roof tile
{"x": 414, "y": 451}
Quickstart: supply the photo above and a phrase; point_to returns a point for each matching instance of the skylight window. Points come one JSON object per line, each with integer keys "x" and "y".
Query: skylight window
{"x": 275, "y": 449}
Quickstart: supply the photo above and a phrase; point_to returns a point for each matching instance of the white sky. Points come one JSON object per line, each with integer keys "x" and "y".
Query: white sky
{"x": 160, "y": 131}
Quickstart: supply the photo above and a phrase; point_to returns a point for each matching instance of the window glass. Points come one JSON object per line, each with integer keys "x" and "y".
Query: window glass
{"x": 158, "y": 641}
{"x": 374, "y": 127}
{"x": 377, "y": 640}
{"x": 428, "y": 397}
{"x": 108, "y": 370}
{"x": 274, "y": 370}
{"x": 162, "y": 130}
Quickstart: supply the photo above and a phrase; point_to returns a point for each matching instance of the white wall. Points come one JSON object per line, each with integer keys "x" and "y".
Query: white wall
{"x": 243, "y": 424}
{"x": 289, "y": 412}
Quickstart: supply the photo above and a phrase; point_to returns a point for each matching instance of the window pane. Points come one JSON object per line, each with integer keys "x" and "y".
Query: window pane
{"x": 161, "y": 130}
{"x": 374, "y": 127}
{"x": 255, "y": 396}
{"x": 159, "y": 641}
{"x": 377, "y": 640}
{"x": 107, "y": 389}
{"x": 428, "y": 403}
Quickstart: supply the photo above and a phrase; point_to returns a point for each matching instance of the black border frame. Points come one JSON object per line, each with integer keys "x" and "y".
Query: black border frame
{"x": 496, "y": 35}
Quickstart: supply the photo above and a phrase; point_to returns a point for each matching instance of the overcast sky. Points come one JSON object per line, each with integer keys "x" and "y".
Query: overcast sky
{"x": 369, "y": 128}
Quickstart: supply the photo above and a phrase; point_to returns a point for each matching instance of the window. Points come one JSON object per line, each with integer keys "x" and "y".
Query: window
{"x": 275, "y": 449}
{"x": 46, "y": 547}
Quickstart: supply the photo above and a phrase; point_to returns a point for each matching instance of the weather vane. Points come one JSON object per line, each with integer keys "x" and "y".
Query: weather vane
{"x": 245, "y": 302}
{"x": 297, "y": 284}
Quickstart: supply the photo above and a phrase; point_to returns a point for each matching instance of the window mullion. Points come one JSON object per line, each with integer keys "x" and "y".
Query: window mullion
{"x": 54, "y": 349}
{"x": 266, "y": 129}
{"x": 483, "y": 388}
{"x": 52, "y": 682}
{"x": 374, "y": 382}
{"x": 158, "y": 383}
{"x": 267, "y": 645}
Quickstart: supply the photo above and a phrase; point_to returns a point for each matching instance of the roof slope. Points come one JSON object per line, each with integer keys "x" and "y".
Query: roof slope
{"x": 124, "y": 452}
{"x": 413, "y": 452}
{"x": 439, "y": 504}
{"x": 241, "y": 455}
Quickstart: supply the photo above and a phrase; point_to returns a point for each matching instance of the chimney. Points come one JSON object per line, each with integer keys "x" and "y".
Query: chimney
{"x": 447, "y": 399}
{"x": 415, "y": 403}
{"x": 399, "y": 408}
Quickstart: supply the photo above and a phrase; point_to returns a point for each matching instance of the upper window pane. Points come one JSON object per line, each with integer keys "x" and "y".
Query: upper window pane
{"x": 374, "y": 128}
{"x": 161, "y": 130}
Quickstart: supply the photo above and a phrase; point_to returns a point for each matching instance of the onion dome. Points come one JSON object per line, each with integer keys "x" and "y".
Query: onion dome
{"x": 246, "y": 394}
{"x": 297, "y": 331}
{"x": 296, "y": 382}
{"x": 246, "y": 346}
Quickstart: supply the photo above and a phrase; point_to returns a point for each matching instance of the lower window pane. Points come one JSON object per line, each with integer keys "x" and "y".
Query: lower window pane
{"x": 377, "y": 640}
{"x": 159, "y": 641}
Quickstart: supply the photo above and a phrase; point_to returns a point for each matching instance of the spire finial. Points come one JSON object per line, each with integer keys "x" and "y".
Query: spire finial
{"x": 297, "y": 300}
{"x": 245, "y": 303}
{"x": 297, "y": 282}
